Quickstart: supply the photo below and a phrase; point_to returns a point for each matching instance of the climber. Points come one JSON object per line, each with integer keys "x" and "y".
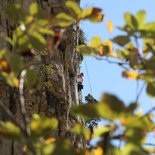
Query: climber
{"x": 79, "y": 81}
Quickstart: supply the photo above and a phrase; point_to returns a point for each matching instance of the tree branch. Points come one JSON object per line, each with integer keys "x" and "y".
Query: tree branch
{"x": 22, "y": 103}
{"x": 10, "y": 116}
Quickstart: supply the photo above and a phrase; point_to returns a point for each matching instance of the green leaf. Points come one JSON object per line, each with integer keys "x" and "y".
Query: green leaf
{"x": 150, "y": 64}
{"x": 99, "y": 131}
{"x": 120, "y": 54}
{"x": 92, "y": 14}
{"x": 34, "y": 9}
{"x": 151, "y": 89}
{"x": 87, "y": 111}
{"x": 112, "y": 103}
{"x": 39, "y": 37}
{"x": 135, "y": 135}
{"x": 48, "y": 149}
{"x": 23, "y": 42}
{"x": 81, "y": 130}
{"x": 74, "y": 7}
{"x": 110, "y": 107}
{"x": 10, "y": 41}
{"x": 121, "y": 40}
{"x": 16, "y": 63}
{"x": 149, "y": 27}
{"x": 86, "y": 50}
{"x": 41, "y": 22}
{"x": 64, "y": 20}
{"x": 95, "y": 42}
{"x": 133, "y": 75}
{"x": 131, "y": 21}
{"x": 9, "y": 130}
{"x": 141, "y": 17}
{"x": 31, "y": 78}
{"x": 132, "y": 107}
{"x": 11, "y": 79}
{"x": 15, "y": 12}
{"x": 132, "y": 149}
{"x": 37, "y": 41}
{"x": 43, "y": 126}
{"x": 46, "y": 31}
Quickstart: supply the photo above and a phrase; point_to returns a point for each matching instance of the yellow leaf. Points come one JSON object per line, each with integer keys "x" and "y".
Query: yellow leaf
{"x": 123, "y": 121}
{"x": 110, "y": 26}
{"x": 106, "y": 48}
{"x": 131, "y": 75}
{"x": 98, "y": 151}
{"x": 49, "y": 140}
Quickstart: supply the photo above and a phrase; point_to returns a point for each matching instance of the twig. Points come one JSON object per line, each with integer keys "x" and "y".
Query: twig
{"x": 22, "y": 103}
{"x": 150, "y": 111}
{"x": 121, "y": 64}
{"x": 150, "y": 144}
{"x": 10, "y": 116}
{"x": 140, "y": 92}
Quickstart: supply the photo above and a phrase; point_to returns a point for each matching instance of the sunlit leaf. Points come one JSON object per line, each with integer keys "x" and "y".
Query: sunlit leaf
{"x": 92, "y": 14}
{"x": 11, "y": 79}
{"x": 141, "y": 17}
{"x": 46, "y": 31}
{"x": 81, "y": 130}
{"x": 43, "y": 126}
{"x": 97, "y": 151}
{"x": 149, "y": 27}
{"x": 9, "y": 130}
{"x": 130, "y": 20}
{"x": 110, "y": 26}
{"x": 120, "y": 54}
{"x": 48, "y": 149}
{"x": 49, "y": 140}
{"x": 131, "y": 75}
{"x": 99, "y": 131}
{"x": 4, "y": 66}
{"x": 64, "y": 20}
{"x": 134, "y": 121}
{"x": 95, "y": 42}
{"x": 34, "y": 9}
{"x": 86, "y": 50}
{"x": 74, "y": 7}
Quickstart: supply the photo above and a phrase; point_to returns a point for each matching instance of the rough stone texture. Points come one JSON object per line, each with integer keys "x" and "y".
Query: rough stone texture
{"x": 55, "y": 99}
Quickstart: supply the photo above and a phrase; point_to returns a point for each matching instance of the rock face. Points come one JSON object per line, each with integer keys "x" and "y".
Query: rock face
{"x": 58, "y": 90}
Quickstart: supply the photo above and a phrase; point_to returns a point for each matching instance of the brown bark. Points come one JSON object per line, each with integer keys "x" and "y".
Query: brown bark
{"x": 54, "y": 100}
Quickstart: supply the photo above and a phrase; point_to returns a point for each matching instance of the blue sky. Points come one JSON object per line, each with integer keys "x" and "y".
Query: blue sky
{"x": 106, "y": 77}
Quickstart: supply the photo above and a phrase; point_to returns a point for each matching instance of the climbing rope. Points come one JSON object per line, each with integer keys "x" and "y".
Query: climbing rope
{"x": 88, "y": 77}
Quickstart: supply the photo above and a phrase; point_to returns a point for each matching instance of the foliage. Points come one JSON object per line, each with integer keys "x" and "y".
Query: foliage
{"x": 36, "y": 32}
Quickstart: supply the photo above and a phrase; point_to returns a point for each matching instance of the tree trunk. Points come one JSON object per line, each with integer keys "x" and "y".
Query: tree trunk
{"x": 55, "y": 99}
